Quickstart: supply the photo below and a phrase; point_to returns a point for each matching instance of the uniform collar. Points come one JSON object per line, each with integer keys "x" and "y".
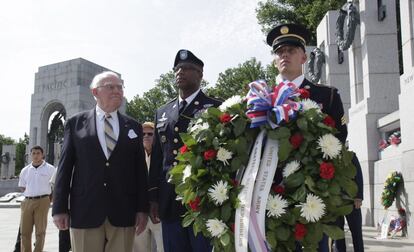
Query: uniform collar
{"x": 298, "y": 81}
{"x": 190, "y": 98}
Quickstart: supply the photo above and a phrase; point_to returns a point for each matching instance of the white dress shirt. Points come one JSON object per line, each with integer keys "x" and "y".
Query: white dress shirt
{"x": 298, "y": 81}
{"x": 100, "y": 127}
{"x": 36, "y": 181}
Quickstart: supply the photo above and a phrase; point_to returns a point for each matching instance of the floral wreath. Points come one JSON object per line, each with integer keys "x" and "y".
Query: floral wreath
{"x": 317, "y": 185}
{"x": 391, "y": 186}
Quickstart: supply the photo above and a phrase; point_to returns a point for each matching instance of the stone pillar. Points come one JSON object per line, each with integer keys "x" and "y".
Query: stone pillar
{"x": 407, "y": 106}
{"x": 333, "y": 73}
{"x": 376, "y": 45}
{"x": 57, "y": 149}
{"x": 8, "y": 161}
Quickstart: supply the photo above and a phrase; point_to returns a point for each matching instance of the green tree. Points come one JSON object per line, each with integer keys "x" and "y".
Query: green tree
{"x": 5, "y": 141}
{"x": 143, "y": 107}
{"x": 308, "y": 13}
{"x": 234, "y": 81}
{"x": 20, "y": 152}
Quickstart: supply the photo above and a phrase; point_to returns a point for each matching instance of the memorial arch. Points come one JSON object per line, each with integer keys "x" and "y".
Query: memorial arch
{"x": 60, "y": 91}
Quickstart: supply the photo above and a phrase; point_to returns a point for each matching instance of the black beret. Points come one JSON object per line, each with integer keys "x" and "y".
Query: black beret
{"x": 185, "y": 56}
{"x": 288, "y": 34}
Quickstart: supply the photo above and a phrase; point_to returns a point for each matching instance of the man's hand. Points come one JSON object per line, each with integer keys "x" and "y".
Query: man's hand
{"x": 141, "y": 220}
{"x": 357, "y": 203}
{"x": 155, "y": 218}
{"x": 61, "y": 221}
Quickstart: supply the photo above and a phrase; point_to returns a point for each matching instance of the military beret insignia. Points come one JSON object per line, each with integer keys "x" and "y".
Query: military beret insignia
{"x": 183, "y": 54}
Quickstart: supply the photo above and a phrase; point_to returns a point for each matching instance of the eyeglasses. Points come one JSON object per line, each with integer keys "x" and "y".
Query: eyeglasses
{"x": 148, "y": 134}
{"x": 112, "y": 87}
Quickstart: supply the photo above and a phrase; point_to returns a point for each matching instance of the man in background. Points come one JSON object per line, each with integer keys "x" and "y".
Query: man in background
{"x": 34, "y": 181}
{"x": 151, "y": 239}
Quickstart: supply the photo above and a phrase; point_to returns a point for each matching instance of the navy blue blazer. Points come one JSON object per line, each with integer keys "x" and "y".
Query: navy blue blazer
{"x": 92, "y": 188}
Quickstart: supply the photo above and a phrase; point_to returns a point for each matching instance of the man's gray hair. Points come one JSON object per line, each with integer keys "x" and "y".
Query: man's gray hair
{"x": 99, "y": 77}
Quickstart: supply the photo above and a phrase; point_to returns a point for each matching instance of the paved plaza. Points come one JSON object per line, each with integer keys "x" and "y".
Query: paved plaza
{"x": 10, "y": 215}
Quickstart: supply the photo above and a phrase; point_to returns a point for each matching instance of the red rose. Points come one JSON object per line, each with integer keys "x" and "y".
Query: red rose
{"x": 304, "y": 93}
{"x": 296, "y": 140}
{"x": 225, "y": 118}
{"x": 232, "y": 227}
{"x": 210, "y": 154}
{"x": 183, "y": 149}
{"x": 300, "y": 231}
{"x": 329, "y": 121}
{"x": 234, "y": 182}
{"x": 326, "y": 170}
{"x": 278, "y": 189}
{"x": 194, "y": 204}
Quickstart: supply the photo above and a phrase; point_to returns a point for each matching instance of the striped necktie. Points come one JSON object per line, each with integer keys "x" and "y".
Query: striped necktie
{"x": 110, "y": 138}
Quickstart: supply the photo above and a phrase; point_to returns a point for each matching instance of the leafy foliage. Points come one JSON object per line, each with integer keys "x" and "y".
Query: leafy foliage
{"x": 21, "y": 152}
{"x": 308, "y": 13}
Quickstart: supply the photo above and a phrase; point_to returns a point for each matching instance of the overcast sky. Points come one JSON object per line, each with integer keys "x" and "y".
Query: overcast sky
{"x": 137, "y": 38}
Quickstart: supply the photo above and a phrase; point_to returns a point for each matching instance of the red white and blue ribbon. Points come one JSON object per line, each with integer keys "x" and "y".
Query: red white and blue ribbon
{"x": 264, "y": 103}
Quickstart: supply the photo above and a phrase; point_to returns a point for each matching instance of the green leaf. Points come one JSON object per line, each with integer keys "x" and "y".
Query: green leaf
{"x": 300, "y": 194}
{"x": 225, "y": 239}
{"x": 226, "y": 211}
{"x": 215, "y": 112}
{"x": 188, "y": 139}
{"x": 333, "y": 231}
{"x": 310, "y": 183}
{"x": 284, "y": 149}
{"x": 188, "y": 219}
{"x": 294, "y": 180}
{"x": 344, "y": 210}
{"x": 239, "y": 126}
{"x": 283, "y": 233}
{"x": 349, "y": 186}
{"x": 279, "y": 133}
{"x": 334, "y": 189}
{"x": 302, "y": 123}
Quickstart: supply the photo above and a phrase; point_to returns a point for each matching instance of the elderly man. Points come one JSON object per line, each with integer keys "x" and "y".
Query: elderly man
{"x": 151, "y": 239}
{"x": 171, "y": 119}
{"x": 102, "y": 174}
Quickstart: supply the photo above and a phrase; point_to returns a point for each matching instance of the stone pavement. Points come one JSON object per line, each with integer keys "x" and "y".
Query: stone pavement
{"x": 10, "y": 216}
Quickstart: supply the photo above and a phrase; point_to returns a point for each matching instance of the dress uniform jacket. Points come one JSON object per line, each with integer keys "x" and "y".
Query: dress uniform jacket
{"x": 169, "y": 124}
{"x": 100, "y": 188}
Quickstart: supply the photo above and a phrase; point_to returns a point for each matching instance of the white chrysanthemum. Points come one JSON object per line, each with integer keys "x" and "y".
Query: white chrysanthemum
{"x": 223, "y": 155}
{"x": 230, "y": 102}
{"x": 310, "y": 104}
{"x": 218, "y": 193}
{"x": 329, "y": 145}
{"x": 199, "y": 127}
{"x": 276, "y": 206}
{"x": 186, "y": 172}
{"x": 216, "y": 227}
{"x": 313, "y": 209}
{"x": 291, "y": 168}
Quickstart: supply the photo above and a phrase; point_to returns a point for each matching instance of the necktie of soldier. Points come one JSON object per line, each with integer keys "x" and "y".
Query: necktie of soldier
{"x": 110, "y": 138}
{"x": 182, "y": 106}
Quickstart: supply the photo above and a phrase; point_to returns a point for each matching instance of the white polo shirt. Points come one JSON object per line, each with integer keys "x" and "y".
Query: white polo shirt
{"x": 36, "y": 180}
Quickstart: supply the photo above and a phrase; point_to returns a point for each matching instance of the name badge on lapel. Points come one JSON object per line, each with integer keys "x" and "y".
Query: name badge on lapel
{"x": 132, "y": 134}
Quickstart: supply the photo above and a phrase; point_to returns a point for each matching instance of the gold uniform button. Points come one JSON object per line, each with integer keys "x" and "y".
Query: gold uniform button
{"x": 107, "y": 164}
{"x": 104, "y": 184}
{"x": 176, "y": 129}
{"x": 175, "y": 152}
{"x": 175, "y": 163}
{"x": 175, "y": 140}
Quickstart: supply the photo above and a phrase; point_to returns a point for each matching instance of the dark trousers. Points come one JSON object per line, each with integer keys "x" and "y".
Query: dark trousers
{"x": 64, "y": 240}
{"x": 17, "y": 245}
{"x": 354, "y": 220}
{"x": 176, "y": 238}
{"x": 322, "y": 246}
